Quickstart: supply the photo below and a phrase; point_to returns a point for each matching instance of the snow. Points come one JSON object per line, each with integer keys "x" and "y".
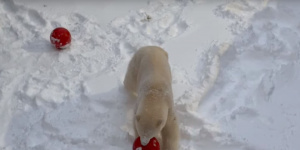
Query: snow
{"x": 235, "y": 67}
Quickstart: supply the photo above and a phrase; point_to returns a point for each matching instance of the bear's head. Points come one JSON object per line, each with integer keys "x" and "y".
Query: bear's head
{"x": 150, "y": 119}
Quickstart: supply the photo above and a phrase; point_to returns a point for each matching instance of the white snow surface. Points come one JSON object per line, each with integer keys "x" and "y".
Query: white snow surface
{"x": 235, "y": 67}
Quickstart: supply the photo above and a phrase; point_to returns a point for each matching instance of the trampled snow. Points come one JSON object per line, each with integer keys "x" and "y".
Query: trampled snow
{"x": 235, "y": 67}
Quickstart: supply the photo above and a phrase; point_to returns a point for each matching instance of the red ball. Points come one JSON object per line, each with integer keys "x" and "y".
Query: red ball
{"x": 60, "y": 38}
{"x": 152, "y": 145}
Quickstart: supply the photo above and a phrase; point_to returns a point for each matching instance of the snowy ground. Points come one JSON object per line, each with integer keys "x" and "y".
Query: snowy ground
{"x": 235, "y": 66}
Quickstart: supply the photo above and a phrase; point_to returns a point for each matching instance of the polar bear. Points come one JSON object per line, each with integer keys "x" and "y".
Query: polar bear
{"x": 149, "y": 78}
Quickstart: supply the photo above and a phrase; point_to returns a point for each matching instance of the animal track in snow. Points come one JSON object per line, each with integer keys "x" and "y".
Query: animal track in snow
{"x": 10, "y": 6}
{"x": 36, "y": 17}
{"x": 163, "y": 25}
{"x": 55, "y": 24}
{"x": 11, "y": 34}
{"x": 243, "y": 112}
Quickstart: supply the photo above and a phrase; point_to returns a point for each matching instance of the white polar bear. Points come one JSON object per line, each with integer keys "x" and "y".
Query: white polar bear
{"x": 149, "y": 78}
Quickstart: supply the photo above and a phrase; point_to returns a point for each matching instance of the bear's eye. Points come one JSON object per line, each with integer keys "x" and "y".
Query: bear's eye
{"x": 137, "y": 118}
{"x": 159, "y": 122}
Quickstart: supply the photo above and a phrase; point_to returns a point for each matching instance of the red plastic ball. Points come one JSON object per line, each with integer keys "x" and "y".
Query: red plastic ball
{"x": 152, "y": 145}
{"x": 60, "y": 38}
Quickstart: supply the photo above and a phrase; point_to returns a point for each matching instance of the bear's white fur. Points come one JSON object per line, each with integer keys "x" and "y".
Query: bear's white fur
{"x": 149, "y": 78}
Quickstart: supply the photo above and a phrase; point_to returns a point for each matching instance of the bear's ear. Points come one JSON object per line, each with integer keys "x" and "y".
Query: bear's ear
{"x": 138, "y": 118}
{"x": 159, "y": 122}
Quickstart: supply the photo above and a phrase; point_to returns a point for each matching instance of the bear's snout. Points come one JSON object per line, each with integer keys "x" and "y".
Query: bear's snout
{"x": 144, "y": 141}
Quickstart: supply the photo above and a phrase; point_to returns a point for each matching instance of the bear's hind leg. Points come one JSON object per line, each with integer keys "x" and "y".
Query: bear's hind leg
{"x": 130, "y": 81}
